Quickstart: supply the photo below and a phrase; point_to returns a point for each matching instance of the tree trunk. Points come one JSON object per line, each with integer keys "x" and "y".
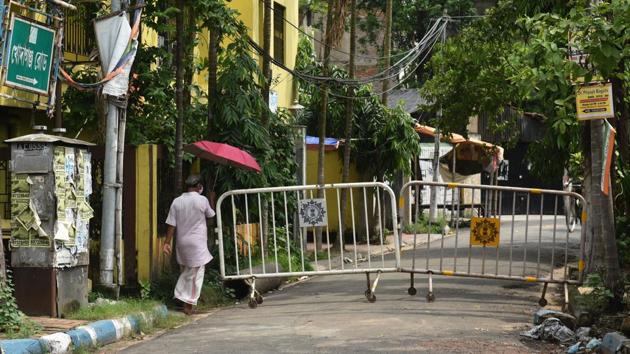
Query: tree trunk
{"x": 266, "y": 59}
{"x": 345, "y": 175}
{"x": 603, "y": 214}
{"x": 179, "y": 96}
{"x": 387, "y": 48}
{"x": 324, "y": 111}
{"x": 212, "y": 77}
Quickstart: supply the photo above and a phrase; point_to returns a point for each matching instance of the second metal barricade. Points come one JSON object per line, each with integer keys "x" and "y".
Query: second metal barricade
{"x": 491, "y": 232}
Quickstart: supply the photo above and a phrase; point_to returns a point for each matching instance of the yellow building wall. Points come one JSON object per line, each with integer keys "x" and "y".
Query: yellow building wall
{"x": 251, "y": 13}
{"x": 148, "y": 245}
{"x": 333, "y": 166}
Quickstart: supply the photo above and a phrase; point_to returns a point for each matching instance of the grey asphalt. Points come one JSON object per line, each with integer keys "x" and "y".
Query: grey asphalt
{"x": 329, "y": 314}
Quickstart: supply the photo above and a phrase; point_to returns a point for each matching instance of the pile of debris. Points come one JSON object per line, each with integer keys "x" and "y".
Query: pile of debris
{"x": 562, "y": 328}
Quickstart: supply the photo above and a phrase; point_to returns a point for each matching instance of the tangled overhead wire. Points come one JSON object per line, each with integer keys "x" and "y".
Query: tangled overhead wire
{"x": 413, "y": 60}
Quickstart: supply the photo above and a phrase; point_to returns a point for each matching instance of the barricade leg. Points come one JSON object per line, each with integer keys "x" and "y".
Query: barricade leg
{"x": 543, "y": 302}
{"x": 412, "y": 290}
{"x": 255, "y": 298}
{"x": 430, "y": 295}
{"x": 369, "y": 293}
{"x": 565, "y": 306}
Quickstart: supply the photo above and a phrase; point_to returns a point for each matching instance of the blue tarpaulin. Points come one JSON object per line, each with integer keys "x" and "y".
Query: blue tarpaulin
{"x": 329, "y": 143}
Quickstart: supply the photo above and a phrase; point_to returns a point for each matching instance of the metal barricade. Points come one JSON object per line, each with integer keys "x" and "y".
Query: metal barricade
{"x": 264, "y": 233}
{"x": 492, "y": 232}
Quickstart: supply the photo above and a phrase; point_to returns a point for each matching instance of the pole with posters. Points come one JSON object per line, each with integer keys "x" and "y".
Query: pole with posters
{"x": 117, "y": 41}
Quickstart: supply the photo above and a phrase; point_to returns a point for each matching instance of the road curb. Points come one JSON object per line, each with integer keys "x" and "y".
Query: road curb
{"x": 94, "y": 334}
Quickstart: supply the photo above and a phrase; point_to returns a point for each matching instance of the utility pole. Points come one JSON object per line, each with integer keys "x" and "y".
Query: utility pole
{"x": 349, "y": 111}
{"x": 109, "y": 188}
{"x": 387, "y": 49}
{"x": 436, "y": 150}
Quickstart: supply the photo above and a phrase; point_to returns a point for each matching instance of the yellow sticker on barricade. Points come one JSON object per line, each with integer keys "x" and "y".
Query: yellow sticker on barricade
{"x": 581, "y": 265}
{"x": 583, "y": 217}
{"x": 530, "y": 279}
{"x": 448, "y": 272}
{"x": 535, "y": 191}
{"x": 452, "y": 185}
{"x": 485, "y": 232}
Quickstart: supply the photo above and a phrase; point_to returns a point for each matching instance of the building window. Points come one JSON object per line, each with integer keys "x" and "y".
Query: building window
{"x": 278, "y": 32}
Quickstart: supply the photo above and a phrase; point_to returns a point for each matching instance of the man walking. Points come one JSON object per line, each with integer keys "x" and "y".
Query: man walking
{"x": 187, "y": 219}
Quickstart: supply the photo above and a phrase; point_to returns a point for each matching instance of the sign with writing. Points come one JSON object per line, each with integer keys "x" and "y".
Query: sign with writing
{"x": 595, "y": 102}
{"x": 313, "y": 212}
{"x": 484, "y": 232}
{"x": 30, "y": 56}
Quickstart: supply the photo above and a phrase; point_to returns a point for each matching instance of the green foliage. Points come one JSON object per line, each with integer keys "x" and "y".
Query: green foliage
{"x": 422, "y": 226}
{"x": 622, "y": 229}
{"x": 145, "y": 289}
{"x": 213, "y": 293}
{"x": 598, "y": 300}
{"x": 520, "y": 60}
{"x": 11, "y": 318}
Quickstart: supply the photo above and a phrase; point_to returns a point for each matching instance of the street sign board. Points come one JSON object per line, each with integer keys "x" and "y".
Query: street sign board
{"x": 30, "y": 56}
{"x": 594, "y": 102}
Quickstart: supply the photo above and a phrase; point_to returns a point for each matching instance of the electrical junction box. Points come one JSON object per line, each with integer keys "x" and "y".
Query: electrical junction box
{"x": 51, "y": 182}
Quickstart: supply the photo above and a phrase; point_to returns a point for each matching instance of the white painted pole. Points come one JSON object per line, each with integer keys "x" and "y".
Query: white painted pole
{"x": 108, "y": 221}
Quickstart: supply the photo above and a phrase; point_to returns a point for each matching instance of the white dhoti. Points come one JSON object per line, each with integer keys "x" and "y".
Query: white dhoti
{"x": 189, "y": 284}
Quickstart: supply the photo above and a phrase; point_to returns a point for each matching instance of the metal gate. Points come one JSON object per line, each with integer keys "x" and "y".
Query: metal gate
{"x": 265, "y": 232}
{"x": 474, "y": 239}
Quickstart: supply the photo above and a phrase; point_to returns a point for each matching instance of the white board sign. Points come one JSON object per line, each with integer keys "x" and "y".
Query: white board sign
{"x": 313, "y": 213}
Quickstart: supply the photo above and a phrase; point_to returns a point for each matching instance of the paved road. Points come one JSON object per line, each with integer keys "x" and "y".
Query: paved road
{"x": 330, "y": 314}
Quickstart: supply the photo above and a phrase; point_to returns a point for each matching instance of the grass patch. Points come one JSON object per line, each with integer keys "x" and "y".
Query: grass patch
{"x": 422, "y": 226}
{"x": 119, "y": 309}
{"x": 27, "y": 329}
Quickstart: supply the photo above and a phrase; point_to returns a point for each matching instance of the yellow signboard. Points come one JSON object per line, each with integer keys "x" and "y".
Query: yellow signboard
{"x": 485, "y": 232}
{"x": 594, "y": 102}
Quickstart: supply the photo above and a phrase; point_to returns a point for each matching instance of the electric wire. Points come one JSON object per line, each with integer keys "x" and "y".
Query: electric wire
{"x": 429, "y": 40}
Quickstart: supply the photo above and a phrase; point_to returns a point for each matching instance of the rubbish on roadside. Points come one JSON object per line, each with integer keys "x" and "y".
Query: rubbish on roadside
{"x": 543, "y": 314}
{"x": 583, "y": 334}
{"x": 593, "y": 344}
{"x": 613, "y": 342}
{"x": 551, "y": 329}
{"x": 575, "y": 348}
{"x": 347, "y": 260}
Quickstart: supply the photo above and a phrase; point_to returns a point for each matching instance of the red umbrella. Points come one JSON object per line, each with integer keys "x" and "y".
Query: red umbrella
{"x": 223, "y": 154}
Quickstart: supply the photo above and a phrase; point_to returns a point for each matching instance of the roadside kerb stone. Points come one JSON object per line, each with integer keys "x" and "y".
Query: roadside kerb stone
{"x": 97, "y": 333}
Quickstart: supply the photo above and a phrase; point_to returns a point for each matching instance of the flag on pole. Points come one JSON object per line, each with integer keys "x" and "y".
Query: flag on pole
{"x": 607, "y": 155}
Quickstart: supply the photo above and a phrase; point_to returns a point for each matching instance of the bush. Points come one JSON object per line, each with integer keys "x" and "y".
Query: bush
{"x": 11, "y": 317}
{"x": 422, "y": 226}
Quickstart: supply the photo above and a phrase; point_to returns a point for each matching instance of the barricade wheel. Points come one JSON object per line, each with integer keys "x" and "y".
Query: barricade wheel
{"x": 412, "y": 291}
{"x": 252, "y": 303}
{"x": 430, "y": 297}
{"x": 259, "y": 299}
{"x": 542, "y": 302}
{"x": 369, "y": 295}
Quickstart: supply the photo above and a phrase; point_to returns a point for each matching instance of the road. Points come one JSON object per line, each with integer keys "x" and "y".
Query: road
{"x": 330, "y": 314}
